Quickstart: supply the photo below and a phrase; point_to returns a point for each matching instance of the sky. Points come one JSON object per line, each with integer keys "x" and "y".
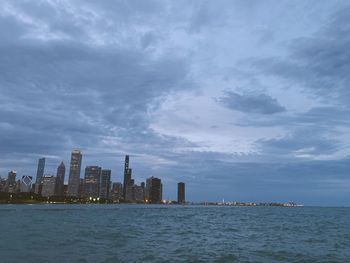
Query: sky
{"x": 241, "y": 100}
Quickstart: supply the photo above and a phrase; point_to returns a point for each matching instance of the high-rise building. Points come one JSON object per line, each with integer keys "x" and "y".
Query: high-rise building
{"x": 81, "y": 188}
{"x": 26, "y": 184}
{"x": 154, "y": 190}
{"x": 74, "y": 173}
{"x": 61, "y": 171}
{"x": 117, "y": 192}
{"x": 139, "y": 194}
{"x": 11, "y": 182}
{"x": 127, "y": 176}
{"x": 39, "y": 175}
{"x": 2, "y": 184}
{"x": 105, "y": 184}
{"x": 92, "y": 181}
{"x": 181, "y": 193}
{"x": 48, "y": 186}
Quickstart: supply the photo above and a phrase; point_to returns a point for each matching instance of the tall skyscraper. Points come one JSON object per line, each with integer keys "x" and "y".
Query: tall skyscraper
{"x": 105, "y": 183}
{"x": 11, "y": 182}
{"x": 74, "y": 173}
{"x": 117, "y": 192}
{"x": 49, "y": 186}
{"x": 26, "y": 184}
{"x": 39, "y": 175}
{"x": 127, "y": 175}
{"x": 92, "y": 181}
{"x": 154, "y": 190}
{"x": 181, "y": 193}
{"x": 61, "y": 171}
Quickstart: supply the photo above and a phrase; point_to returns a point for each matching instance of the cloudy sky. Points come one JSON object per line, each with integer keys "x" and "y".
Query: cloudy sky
{"x": 242, "y": 100}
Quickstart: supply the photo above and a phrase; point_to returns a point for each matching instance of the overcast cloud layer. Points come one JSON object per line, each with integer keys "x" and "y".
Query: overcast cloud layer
{"x": 242, "y": 100}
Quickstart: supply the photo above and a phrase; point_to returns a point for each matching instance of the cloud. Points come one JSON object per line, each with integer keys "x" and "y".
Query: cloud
{"x": 319, "y": 62}
{"x": 303, "y": 143}
{"x": 251, "y": 103}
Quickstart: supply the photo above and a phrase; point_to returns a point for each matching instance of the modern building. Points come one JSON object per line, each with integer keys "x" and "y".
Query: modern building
{"x": 2, "y": 184}
{"x": 81, "y": 188}
{"x": 105, "y": 184}
{"x": 74, "y": 173}
{"x": 61, "y": 171}
{"x": 26, "y": 184}
{"x": 117, "y": 192}
{"x": 48, "y": 186}
{"x": 11, "y": 182}
{"x": 127, "y": 176}
{"x": 154, "y": 190}
{"x": 92, "y": 181}
{"x": 139, "y": 194}
{"x": 39, "y": 175}
{"x": 181, "y": 193}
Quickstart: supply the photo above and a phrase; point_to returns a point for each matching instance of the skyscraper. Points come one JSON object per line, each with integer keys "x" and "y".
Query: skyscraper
{"x": 61, "y": 171}
{"x": 127, "y": 175}
{"x": 11, "y": 182}
{"x": 117, "y": 192}
{"x": 49, "y": 185}
{"x": 74, "y": 173}
{"x": 26, "y": 184}
{"x": 154, "y": 190}
{"x": 181, "y": 193}
{"x": 39, "y": 175}
{"x": 105, "y": 183}
{"x": 92, "y": 181}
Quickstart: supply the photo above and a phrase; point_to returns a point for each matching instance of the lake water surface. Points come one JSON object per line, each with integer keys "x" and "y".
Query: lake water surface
{"x": 141, "y": 233}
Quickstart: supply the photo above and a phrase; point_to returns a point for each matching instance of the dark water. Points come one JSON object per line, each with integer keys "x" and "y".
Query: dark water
{"x": 130, "y": 233}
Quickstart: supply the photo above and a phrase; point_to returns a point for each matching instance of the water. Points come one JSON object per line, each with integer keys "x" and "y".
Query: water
{"x": 136, "y": 233}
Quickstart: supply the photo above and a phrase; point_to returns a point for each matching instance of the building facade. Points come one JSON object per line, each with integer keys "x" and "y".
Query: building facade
{"x": 92, "y": 181}
{"x": 153, "y": 190}
{"x": 181, "y": 193}
{"x": 74, "y": 173}
{"x": 105, "y": 184}
{"x": 127, "y": 177}
{"x": 117, "y": 192}
{"x": 48, "y": 186}
{"x": 39, "y": 175}
{"x": 11, "y": 182}
{"x": 26, "y": 184}
{"x": 61, "y": 171}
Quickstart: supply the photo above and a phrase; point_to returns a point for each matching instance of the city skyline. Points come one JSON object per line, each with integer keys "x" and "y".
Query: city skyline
{"x": 242, "y": 100}
{"x": 96, "y": 185}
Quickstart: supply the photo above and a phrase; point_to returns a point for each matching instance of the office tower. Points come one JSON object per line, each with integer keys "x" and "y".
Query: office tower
{"x": 117, "y": 192}
{"x": 81, "y": 188}
{"x": 92, "y": 181}
{"x": 127, "y": 175}
{"x": 139, "y": 195}
{"x": 65, "y": 190}
{"x": 2, "y": 185}
{"x": 26, "y": 184}
{"x": 39, "y": 175}
{"x": 181, "y": 193}
{"x": 61, "y": 171}
{"x": 105, "y": 183}
{"x": 11, "y": 182}
{"x": 48, "y": 186}
{"x": 74, "y": 173}
{"x": 154, "y": 190}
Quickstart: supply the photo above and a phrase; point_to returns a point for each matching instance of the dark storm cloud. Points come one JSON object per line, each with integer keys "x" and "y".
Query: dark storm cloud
{"x": 306, "y": 141}
{"x": 320, "y": 63}
{"x": 320, "y": 117}
{"x": 251, "y": 103}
